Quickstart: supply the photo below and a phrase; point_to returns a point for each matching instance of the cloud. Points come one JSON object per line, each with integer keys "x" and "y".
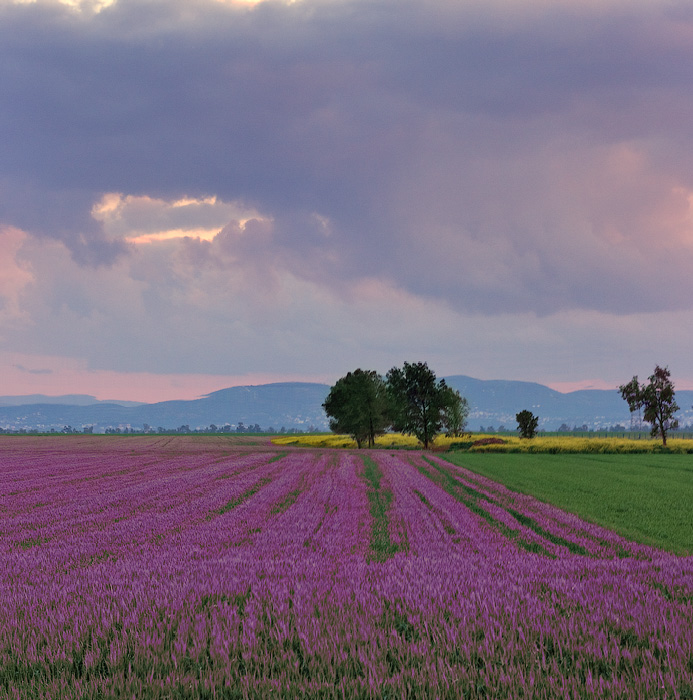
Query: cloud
{"x": 15, "y": 274}
{"x": 466, "y": 137}
{"x": 165, "y": 311}
{"x": 479, "y": 163}
{"x": 22, "y": 368}
{"x": 160, "y": 310}
{"x": 142, "y": 219}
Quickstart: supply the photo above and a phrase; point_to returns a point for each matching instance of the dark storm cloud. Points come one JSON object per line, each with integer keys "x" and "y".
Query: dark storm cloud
{"x": 501, "y": 158}
{"x": 58, "y": 213}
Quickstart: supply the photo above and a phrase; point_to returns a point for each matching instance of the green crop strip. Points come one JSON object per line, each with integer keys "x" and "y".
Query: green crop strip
{"x": 290, "y": 498}
{"x": 379, "y": 499}
{"x": 241, "y": 498}
{"x": 525, "y": 520}
{"x": 643, "y": 497}
{"x": 556, "y": 539}
{"x": 469, "y": 497}
{"x": 286, "y": 502}
{"x": 443, "y": 520}
{"x": 423, "y": 499}
{"x": 678, "y": 594}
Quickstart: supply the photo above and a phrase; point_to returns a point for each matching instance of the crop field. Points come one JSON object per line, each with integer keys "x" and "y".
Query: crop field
{"x": 208, "y": 567}
{"x": 645, "y": 497}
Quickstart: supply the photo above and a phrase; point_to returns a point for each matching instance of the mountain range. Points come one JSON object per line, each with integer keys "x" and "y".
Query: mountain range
{"x": 298, "y": 406}
{"x": 496, "y": 402}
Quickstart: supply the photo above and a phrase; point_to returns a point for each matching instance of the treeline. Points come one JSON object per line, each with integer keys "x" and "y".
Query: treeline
{"x": 253, "y": 428}
{"x": 409, "y": 399}
{"x": 148, "y": 430}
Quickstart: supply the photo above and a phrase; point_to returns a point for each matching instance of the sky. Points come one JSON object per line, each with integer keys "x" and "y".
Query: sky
{"x": 197, "y": 194}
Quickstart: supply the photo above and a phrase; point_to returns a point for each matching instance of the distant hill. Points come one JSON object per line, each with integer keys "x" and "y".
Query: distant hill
{"x": 496, "y": 402}
{"x": 295, "y": 405}
{"x": 290, "y": 405}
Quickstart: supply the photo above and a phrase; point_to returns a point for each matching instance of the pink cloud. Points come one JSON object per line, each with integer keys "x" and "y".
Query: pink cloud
{"x": 567, "y": 387}
{"x": 54, "y": 376}
{"x": 13, "y": 275}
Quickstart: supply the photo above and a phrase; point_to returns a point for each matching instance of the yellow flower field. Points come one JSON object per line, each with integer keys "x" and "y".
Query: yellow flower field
{"x": 511, "y": 443}
{"x": 329, "y": 440}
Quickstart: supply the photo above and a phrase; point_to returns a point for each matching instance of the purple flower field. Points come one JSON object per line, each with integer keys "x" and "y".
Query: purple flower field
{"x": 197, "y": 568}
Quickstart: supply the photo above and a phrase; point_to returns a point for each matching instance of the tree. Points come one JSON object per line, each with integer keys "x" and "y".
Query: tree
{"x": 527, "y": 424}
{"x": 357, "y": 406}
{"x": 456, "y": 412}
{"x": 418, "y": 403}
{"x": 657, "y": 400}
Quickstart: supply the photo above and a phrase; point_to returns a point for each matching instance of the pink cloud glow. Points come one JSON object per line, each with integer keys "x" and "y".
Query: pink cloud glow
{"x": 57, "y": 376}
{"x": 567, "y": 387}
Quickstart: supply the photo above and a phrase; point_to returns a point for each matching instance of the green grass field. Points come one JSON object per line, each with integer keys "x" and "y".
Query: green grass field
{"x": 645, "y": 497}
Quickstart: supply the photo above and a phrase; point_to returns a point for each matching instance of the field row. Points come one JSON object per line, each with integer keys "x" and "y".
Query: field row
{"x": 158, "y": 571}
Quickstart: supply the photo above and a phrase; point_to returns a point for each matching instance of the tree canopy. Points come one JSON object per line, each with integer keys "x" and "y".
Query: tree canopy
{"x": 456, "y": 412}
{"x": 410, "y": 400}
{"x": 656, "y": 398}
{"x": 357, "y": 406}
{"x": 419, "y": 403}
{"x": 527, "y": 424}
